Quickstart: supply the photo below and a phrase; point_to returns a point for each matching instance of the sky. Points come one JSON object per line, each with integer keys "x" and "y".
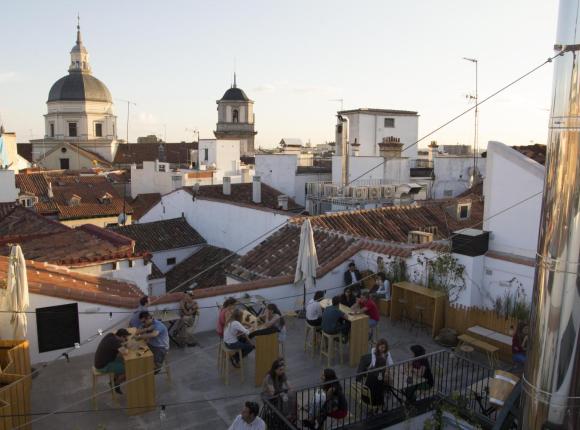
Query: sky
{"x": 174, "y": 59}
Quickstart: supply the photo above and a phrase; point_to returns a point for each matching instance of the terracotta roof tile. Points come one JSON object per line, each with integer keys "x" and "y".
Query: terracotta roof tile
{"x": 90, "y": 189}
{"x": 18, "y": 222}
{"x": 200, "y": 265}
{"x": 242, "y": 194}
{"x": 536, "y": 152}
{"x": 160, "y": 235}
{"x": 175, "y": 153}
{"x": 55, "y": 281}
{"x": 25, "y": 151}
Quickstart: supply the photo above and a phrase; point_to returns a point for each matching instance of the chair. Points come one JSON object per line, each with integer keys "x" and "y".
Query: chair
{"x": 361, "y": 395}
{"x": 420, "y": 310}
{"x": 314, "y": 333}
{"x": 96, "y": 374}
{"x": 330, "y": 342}
{"x": 227, "y": 354}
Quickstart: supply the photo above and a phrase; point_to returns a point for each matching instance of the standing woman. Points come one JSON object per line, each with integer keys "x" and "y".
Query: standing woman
{"x": 275, "y": 388}
{"x": 379, "y": 359}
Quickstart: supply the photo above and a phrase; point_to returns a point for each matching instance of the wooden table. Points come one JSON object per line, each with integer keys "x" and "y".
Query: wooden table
{"x": 490, "y": 350}
{"x": 359, "y": 332}
{"x": 139, "y": 370}
{"x": 266, "y": 353}
{"x": 433, "y": 301}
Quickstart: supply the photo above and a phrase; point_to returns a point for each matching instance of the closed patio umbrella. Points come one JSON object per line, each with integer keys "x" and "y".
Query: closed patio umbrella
{"x": 307, "y": 260}
{"x": 17, "y": 289}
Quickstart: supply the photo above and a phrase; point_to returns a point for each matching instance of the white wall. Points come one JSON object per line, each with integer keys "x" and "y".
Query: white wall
{"x": 278, "y": 171}
{"x": 137, "y": 274}
{"x": 453, "y": 174}
{"x": 221, "y": 224}
{"x": 498, "y": 274}
{"x": 180, "y": 254}
{"x": 154, "y": 177}
{"x": 369, "y": 130}
{"x": 511, "y": 178}
{"x": 300, "y": 184}
{"x": 8, "y": 190}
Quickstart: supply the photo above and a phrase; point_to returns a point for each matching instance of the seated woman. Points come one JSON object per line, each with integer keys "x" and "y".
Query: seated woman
{"x": 275, "y": 388}
{"x": 273, "y": 323}
{"x": 376, "y": 381}
{"x": 420, "y": 369}
{"x": 236, "y": 337}
{"x": 335, "y": 405}
{"x": 520, "y": 344}
{"x": 383, "y": 287}
{"x": 314, "y": 310}
{"x": 347, "y": 298}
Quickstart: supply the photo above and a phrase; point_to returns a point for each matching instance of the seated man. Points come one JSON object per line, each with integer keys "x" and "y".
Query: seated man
{"x": 366, "y": 305}
{"x": 249, "y": 418}
{"x": 143, "y": 306}
{"x": 183, "y": 329}
{"x": 314, "y": 310}
{"x": 108, "y": 357}
{"x": 352, "y": 278}
{"x": 334, "y": 320}
{"x": 157, "y": 337}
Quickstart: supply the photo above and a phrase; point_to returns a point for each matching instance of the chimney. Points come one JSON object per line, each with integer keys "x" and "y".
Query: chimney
{"x": 390, "y": 147}
{"x": 245, "y": 175}
{"x": 257, "y": 190}
{"x": 227, "y": 185}
{"x": 49, "y": 192}
{"x": 283, "y": 202}
{"x": 551, "y": 382}
{"x": 341, "y": 138}
{"x": 433, "y": 150}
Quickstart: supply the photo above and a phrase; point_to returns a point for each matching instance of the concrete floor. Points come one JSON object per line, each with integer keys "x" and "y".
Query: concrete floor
{"x": 67, "y": 386}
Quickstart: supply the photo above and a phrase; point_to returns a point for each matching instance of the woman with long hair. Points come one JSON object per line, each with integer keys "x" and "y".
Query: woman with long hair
{"x": 378, "y": 360}
{"x": 236, "y": 337}
{"x": 421, "y": 370}
{"x": 335, "y": 405}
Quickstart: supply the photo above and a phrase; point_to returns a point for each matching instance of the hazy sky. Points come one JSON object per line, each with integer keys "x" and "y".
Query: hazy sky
{"x": 174, "y": 59}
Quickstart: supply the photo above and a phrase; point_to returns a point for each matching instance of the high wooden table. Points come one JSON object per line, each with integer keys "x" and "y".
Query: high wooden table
{"x": 139, "y": 370}
{"x": 359, "y": 332}
{"x": 433, "y": 301}
{"x": 266, "y": 354}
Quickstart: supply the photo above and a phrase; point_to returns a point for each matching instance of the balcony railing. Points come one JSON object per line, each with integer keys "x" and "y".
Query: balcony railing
{"x": 455, "y": 379}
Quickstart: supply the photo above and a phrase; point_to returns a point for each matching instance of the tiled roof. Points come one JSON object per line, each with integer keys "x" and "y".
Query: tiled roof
{"x": 241, "y": 194}
{"x": 55, "y": 281}
{"x": 64, "y": 185}
{"x": 392, "y": 224}
{"x": 18, "y": 222}
{"x": 156, "y": 273}
{"x": 175, "y": 153}
{"x": 476, "y": 190}
{"x": 161, "y": 235}
{"x": 276, "y": 256}
{"x": 313, "y": 169}
{"x": 143, "y": 202}
{"x": 24, "y": 150}
{"x": 536, "y": 152}
{"x": 205, "y": 258}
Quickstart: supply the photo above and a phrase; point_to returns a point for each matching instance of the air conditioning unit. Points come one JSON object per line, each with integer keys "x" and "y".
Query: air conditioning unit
{"x": 375, "y": 193}
{"x": 419, "y": 237}
{"x": 347, "y": 191}
{"x": 388, "y": 191}
{"x": 361, "y": 193}
{"x": 330, "y": 190}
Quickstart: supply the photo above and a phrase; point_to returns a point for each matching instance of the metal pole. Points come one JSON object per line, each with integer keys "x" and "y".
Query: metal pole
{"x": 551, "y": 382}
{"x": 128, "y": 104}
{"x": 475, "y": 135}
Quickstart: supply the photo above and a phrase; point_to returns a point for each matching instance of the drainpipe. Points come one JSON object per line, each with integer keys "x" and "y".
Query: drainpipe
{"x": 551, "y": 383}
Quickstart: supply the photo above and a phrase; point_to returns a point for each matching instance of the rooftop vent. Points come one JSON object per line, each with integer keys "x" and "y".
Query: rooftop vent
{"x": 227, "y": 185}
{"x": 283, "y": 202}
{"x": 418, "y": 237}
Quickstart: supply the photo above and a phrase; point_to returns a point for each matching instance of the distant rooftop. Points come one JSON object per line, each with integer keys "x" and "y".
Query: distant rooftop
{"x": 137, "y": 153}
{"x": 373, "y": 111}
{"x": 143, "y": 202}
{"x": 536, "y": 152}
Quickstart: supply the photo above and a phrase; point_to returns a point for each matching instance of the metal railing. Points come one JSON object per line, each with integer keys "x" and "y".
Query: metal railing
{"x": 387, "y": 395}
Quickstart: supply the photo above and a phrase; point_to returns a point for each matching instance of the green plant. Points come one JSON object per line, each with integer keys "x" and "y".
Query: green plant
{"x": 444, "y": 273}
{"x": 513, "y": 304}
{"x": 396, "y": 270}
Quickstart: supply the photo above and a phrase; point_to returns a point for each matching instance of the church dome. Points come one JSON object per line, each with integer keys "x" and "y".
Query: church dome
{"x": 235, "y": 94}
{"x": 79, "y": 87}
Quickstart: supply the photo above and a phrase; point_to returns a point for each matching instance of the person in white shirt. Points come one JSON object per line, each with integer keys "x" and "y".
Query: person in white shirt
{"x": 249, "y": 419}
{"x": 314, "y": 310}
{"x": 236, "y": 337}
{"x": 384, "y": 287}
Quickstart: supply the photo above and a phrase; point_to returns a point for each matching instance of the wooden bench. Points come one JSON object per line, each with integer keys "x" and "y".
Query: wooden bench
{"x": 503, "y": 341}
{"x": 490, "y": 350}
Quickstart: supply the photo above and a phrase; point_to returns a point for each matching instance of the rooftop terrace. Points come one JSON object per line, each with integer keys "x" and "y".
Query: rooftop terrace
{"x": 196, "y": 398}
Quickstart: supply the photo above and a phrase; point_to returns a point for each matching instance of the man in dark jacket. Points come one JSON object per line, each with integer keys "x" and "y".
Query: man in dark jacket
{"x": 353, "y": 278}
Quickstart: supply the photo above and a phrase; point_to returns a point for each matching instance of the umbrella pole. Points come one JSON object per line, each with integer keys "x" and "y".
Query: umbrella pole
{"x": 304, "y": 300}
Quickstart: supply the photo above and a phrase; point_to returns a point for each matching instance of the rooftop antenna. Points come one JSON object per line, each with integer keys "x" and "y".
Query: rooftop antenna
{"x": 234, "y": 86}
{"x": 129, "y": 103}
{"x": 476, "y": 124}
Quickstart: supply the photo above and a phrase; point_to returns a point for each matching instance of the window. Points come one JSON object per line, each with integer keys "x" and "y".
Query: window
{"x": 98, "y": 129}
{"x": 205, "y": 154}
{"x": 51, "y": 126}
{"x": 72, "y": 129}
{"x": 389, "y": 122}
{"x": 108, "y": 266}
{"x": 131, "y": 263}
{"x": 63, "y": 150}
{"x": 162, "y": 167}
{"x": 235, "y": 116}
{"x": 463, "y": 211}
{"x": 171, "y": 261}
{"x": 448, "y": 193}
{"x": 57, "y": 327}
{"x": 64, "y": 163}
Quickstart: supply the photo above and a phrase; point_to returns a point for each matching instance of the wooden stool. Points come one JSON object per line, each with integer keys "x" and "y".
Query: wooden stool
{"x": 374, "y": 335}
{"x": 466, "y": 350}
{"x": 96, "y": 374}
{"x": 330, "y": 339}
{"x": 313, "y": 331}
{"x": 404, "y": 314}
{"x": 220, "y": 356}
{"x": 227, "y": 354}
{"x": 420, "y": 309}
